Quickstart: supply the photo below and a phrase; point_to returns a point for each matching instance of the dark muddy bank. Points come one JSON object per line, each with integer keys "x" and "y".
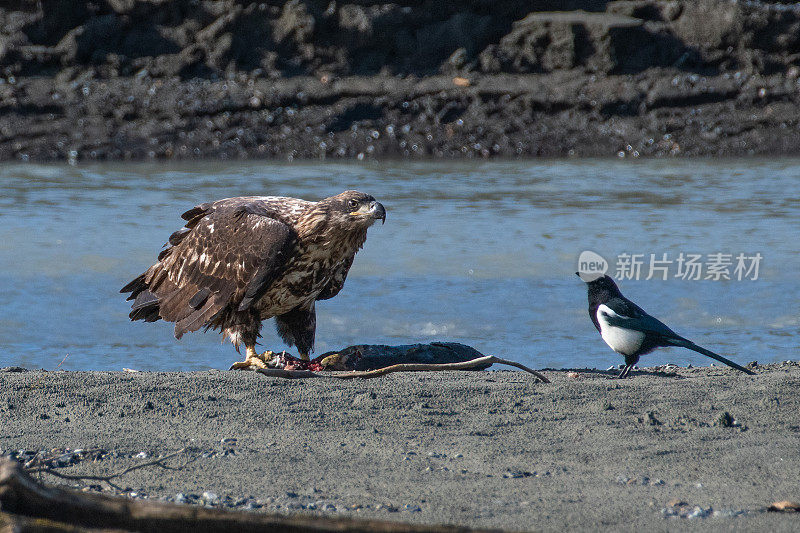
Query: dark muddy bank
{"x": 117, "y": 79}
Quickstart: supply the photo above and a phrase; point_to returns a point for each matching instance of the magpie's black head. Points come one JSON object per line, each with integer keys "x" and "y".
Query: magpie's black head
{"x": 601, "y": 289}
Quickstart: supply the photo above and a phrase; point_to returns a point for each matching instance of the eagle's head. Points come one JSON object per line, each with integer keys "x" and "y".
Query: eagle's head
{"x": 353, "y": 210}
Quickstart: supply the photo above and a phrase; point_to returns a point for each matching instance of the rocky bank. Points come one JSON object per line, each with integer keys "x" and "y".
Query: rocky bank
{"x": 139, "y": 79}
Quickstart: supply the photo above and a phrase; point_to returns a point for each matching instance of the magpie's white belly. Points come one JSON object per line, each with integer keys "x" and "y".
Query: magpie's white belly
{"x": 621, "y": 340}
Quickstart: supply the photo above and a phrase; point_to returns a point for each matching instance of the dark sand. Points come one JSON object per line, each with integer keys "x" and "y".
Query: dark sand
{"x": 494, "y": 449}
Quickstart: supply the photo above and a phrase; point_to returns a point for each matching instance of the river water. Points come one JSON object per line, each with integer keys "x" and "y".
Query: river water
{"x": 478, "y": 253}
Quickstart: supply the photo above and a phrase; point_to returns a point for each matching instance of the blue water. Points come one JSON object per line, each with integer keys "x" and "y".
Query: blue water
{"x": 478, "y": 253}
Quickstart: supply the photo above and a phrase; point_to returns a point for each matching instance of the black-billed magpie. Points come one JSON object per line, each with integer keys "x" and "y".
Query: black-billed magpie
{"x": 630, "y": 331}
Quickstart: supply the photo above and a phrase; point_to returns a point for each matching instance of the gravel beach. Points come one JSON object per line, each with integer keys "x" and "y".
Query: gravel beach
{"x": 706, "y": 448}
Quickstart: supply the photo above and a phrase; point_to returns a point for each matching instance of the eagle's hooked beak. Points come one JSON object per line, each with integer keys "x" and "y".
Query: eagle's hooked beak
{"x": 372, "y": 210}
{"x": 378, "y": 212}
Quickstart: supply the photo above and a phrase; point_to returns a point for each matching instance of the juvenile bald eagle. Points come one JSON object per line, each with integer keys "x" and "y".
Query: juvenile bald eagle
{"x": 242, "y": 260}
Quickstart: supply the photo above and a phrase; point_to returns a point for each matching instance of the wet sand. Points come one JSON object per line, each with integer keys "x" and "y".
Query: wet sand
{"x": 489, "y": 449}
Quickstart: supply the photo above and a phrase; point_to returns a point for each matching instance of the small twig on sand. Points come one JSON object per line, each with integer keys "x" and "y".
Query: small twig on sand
{"x": 107, "y": 478}
{"x": 61, "y": 363}
{"x": 36, "y": 383}
{"x": 403, "y": 367}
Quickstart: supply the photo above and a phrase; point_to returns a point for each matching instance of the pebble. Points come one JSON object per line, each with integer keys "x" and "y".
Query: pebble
{"x": 699, "y": 512}
{"x": 323, "y": 505}
{"x": 728, "y": 513}
{"x": 65, "y": 459}
{"x": 515, "y": 474}
{"x": 644, "y": 481}
{"x": 677, "y": 508}
{"x": 386, "y": 507}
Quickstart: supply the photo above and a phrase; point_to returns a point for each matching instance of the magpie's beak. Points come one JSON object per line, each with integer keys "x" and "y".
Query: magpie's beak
{"x": 377, "y": 211}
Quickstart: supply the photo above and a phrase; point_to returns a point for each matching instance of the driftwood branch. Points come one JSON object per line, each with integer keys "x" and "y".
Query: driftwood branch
{"x": 403, "y": 367}
{"x": 26, "y": 505}
{"x": 107, "y": 478}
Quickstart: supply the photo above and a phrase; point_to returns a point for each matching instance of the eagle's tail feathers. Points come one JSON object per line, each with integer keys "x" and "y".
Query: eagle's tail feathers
{"x": 148, "y": 314}
{"x": 200, "y": 297}
{"x": 144, "y": 299}
{"x": 198, "y": 318}
{"x": 145, "y": 307}
{"x": 158, "y": 277}
{"x": 164, "y": 253}
{"x": 174, "y": 302}
{"x": 145, "y": 302}
{"x": 135, "y": 286}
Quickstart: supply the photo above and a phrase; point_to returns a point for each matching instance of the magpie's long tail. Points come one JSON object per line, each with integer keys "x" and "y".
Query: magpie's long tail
{"x": 708, "y": 353}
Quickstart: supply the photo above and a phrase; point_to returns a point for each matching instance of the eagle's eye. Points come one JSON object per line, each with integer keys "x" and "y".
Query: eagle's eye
{"x": 352, "y": 204}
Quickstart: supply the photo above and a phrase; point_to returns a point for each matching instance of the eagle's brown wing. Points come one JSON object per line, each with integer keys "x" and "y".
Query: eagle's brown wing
{"x": 225, "y": 258}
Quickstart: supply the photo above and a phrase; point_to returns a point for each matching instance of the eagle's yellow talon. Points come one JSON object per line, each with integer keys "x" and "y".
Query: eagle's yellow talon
{"x": 254, "y": 360}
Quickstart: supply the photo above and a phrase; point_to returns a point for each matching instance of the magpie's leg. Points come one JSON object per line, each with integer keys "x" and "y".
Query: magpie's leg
{"x": 625, "y": 371}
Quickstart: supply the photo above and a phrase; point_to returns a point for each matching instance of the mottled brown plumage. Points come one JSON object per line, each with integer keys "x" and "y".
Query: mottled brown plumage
{"x": 242, "y": 260}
